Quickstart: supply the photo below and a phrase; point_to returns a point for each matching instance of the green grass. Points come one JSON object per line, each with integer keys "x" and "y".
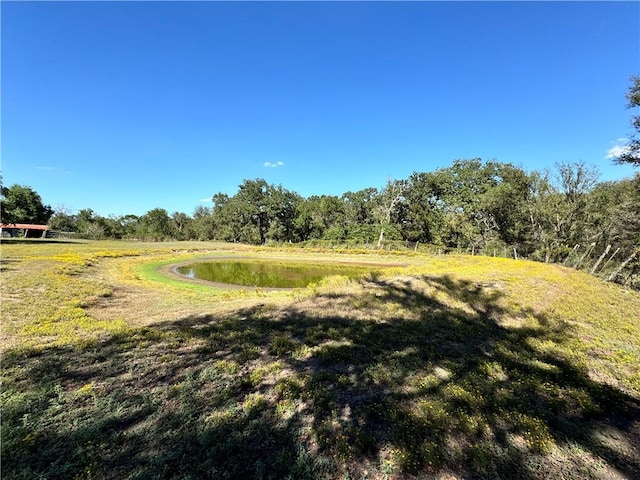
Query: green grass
{"x": 448, "y": 367}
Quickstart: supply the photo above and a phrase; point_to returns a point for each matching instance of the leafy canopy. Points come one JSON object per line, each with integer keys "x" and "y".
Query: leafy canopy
{"x": 22, "y": 204}
{"x": 631, "y": 153}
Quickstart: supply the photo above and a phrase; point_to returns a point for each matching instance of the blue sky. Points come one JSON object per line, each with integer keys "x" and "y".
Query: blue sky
{"x": 126, "y": 106}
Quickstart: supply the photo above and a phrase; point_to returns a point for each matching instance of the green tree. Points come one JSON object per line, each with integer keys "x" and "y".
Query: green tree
{"x": 321, "y": 217}
{"x": 421, "y": 213}
{"x": 253, "y": 199}
{"x": 472, "y": 205}
{"x": 181, "y": 224}
{"x": 557, "y": 210}
{"x": 613, "y": 214}
{"x": 631, "y": 153}
{"x": 63, "y": 220}
{"x": 113, "y": 226}
{"x": 390, "y": 196}
{"x": 258, "y": 212}
{"x": 359, "y": 207}
{"x": 203, "y": 226}
{"x": 505, "y": 203}
{"x": 88, "y": 225}
{"x": 308, "y": 222}
{"x": 22, "y": 204}
{"x": 155, "y": 225}
{"x": 233, "y": 220}
{"x": 462, "y": 188}
{"x": 129, "y": 225}
{"x": 282, "y": 211}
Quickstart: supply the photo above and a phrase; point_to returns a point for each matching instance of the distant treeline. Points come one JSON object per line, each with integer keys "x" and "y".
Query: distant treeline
{"x": 477, "y": 207}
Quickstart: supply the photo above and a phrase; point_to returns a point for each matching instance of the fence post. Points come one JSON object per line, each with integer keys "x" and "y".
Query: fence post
{"x": 570, "y": 253}
{"x": 587, "y": 252}
{"x": 595, "y": 267}
{"x": 621, "y": 267}
{"x": 606, "y": 264}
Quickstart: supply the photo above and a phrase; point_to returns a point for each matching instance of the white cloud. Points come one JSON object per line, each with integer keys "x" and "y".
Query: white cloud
{"x": 617, "y": 150}
{"x": 273, "y": 164}
{"x": 206, "y": 199}
{"x": 47, "y": 168}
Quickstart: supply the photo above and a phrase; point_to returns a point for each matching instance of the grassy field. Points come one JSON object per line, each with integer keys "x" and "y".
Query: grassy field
{"x": 447, "y": 367}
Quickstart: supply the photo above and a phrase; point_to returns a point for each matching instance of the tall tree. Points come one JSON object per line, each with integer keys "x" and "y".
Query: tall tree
{"x": 129, "y": 225}
{"x": 203, "y": 223}
{"x": 155, "y": 225}
{"x": 389, "y": 198}
{"x": 181, "y": 225}
{"x": 631, "y": 153}
{"x": 557, "y": 210}
{"x": 282, "y": 211}
{"x": 232, "y": 220}
{"x": 468, "y": 205}
{"x": 22, "y": 204}
{"x": 504, "y": 204}
{"x": 308, "y": 221}
{"x": 613, "y": 214}
{"x": 256, "y": 213}
{"x": 92, "y": 225}
{"x": 63, "y": 220}
{"x": 421, "y": 211}
{"x": 254, "y": 197}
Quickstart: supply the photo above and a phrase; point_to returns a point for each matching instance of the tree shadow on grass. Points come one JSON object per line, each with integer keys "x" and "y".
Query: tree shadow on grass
{"x": 34, "y": 241}
{"x": 6, "y": 261}
{"x": 405, "y": 377}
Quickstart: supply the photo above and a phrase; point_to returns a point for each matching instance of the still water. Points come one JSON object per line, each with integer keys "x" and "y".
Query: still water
{"x": 252, "y": 273}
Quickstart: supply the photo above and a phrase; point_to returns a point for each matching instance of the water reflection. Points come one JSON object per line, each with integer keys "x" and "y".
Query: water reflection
{"x": 251, "y": 273}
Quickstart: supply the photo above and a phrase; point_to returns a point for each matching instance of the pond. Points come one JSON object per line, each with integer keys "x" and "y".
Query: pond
{"x": 269, "y": 274}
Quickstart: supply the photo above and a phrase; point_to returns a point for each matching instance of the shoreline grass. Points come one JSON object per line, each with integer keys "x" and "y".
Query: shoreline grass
{"x": 446, "y": 367}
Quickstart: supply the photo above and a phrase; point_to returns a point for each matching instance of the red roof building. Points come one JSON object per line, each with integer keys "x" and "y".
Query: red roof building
{"x": 29, "y": 229}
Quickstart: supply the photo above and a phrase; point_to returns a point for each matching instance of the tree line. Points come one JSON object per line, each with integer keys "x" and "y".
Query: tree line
{"x": 472, "y": 206}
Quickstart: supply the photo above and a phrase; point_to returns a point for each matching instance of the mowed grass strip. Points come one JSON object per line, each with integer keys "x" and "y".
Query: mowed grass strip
{"x": 458, "y": 367}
